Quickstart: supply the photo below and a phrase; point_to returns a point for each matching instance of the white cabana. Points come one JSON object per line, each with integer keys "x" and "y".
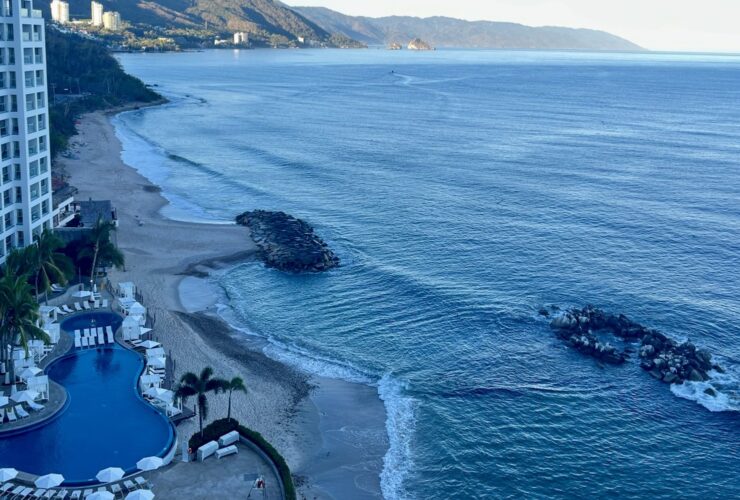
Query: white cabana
{"x": 131, "y": 328}
{"x": 25, "y": 396}
{"x": 150, "y": 344}
{"x": 157, "y": 352}
{"x": 53, "y": 331}
{"x": 149, "y": 463}
{"x": 48, "y": 314}
{"x": 160, "y": 363}
{"x": 109, "y": 475}
{"x": 149, "y": 381}
{"x": 164, "y": 395}
{"x": 126, "y": 289}
{"x": 49, "y": 481}
{"x": 137, "y": 309}
{"x": 39, "y": 384}
{"x": 29, "y": 372}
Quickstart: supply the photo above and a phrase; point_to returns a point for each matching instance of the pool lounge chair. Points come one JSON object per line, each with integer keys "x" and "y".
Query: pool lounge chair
{"x": 84, "y": 342}
{"x": 87, "y": 493}
{"x": 129, "y": 485}
{"x": 50, "y": 494}
{"x": 141, "y": 482}
{"x": 2, "y": 416}
{"x": 61, "y": 494}
{"x": 111, "y": 339}
{"x": 66, "y": 309}
{"x": 116, "y": 489}
{"x": 85, "y": 305}
{"x": 39, "y": 493}
{"x": 5, "y": 487}
{"x": 75, "y": 494}
{"x": 77, "y": 307}
{"x": 35, "y": 406}
{"x": 21, "y": 412}
{"x": 60, "y": 311}
{"x": 11, "y": 414}
{"x": 57, "y": 288}
{"x": 16, "y": 492}
{"x": 78, "y": 342}
{"x": 101, "y": 338}
{"x": 91, "y": 341}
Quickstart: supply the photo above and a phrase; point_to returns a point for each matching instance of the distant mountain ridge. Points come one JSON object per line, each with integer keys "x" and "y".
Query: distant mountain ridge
{"x": 458, "y": 33}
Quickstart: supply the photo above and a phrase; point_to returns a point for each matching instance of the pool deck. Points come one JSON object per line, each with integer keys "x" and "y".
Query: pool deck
{"x": 229, "y": 477}
{"x": 57, "y": 393}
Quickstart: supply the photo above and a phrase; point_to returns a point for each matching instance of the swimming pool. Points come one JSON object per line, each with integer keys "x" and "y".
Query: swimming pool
{"x": 105, "y": 423}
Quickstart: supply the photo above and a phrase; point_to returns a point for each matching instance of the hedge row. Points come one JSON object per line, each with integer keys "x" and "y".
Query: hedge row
{"x": 220, "y": 427}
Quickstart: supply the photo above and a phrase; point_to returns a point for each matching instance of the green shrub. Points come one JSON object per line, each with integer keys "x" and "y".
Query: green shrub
{"x": 220, "y": 427}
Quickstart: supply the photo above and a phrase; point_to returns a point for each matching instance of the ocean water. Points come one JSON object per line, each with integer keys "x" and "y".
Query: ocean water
{"x": 463, "y": 190}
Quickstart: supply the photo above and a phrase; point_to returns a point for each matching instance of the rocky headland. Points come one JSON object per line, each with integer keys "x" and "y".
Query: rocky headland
{"x": 287, "y": 243}
{"x": 664, "y": 358}
{"x": 419, "y": 44}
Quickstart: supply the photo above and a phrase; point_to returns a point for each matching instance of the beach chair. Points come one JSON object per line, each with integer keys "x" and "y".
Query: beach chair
{"x": 84, "y": 342}
{"x": 39, "y": 493}
{"x": 101, "y": 338}
{"x": 111, "y": 339}
{"x": 67, "y": 309}
{"x": 141, "y": 482}
{"x": 77, "y": 307}
{"x": 18, "y": 490}
{"x": 105, "y": 303}
{"x": 21, "y": 412}
{"x": 11, "y": 415}
{"x": 61, "y": 494}
{"x": 91, "y": 341}
{"x": 85, "y": 305}
{"x": 78, "y": 343}
{"x": 35, "y": 406}
{"x": 50, "y": 494}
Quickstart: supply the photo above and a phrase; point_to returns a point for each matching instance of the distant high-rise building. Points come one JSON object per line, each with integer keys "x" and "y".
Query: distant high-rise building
{"x": 97, "y": 13}
{"x": 25, "y": 179}
{"x": 60, "y": 11}
{"x": 241, "y": 38}
{"x": 112, "y": 21}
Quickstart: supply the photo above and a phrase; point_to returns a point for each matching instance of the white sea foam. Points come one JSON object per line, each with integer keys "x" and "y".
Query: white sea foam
{"x": 726, "y": 387}
{"x": 400, "y": 425}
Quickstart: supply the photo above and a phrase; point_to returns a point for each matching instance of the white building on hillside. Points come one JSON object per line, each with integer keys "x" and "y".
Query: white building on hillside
{"x": 25, "y": 178}
{"x": 96, "y": 13}
{"x": 60, "y": 11}
{"x": 112, "y": 21}
{"x": 241, "y": 38}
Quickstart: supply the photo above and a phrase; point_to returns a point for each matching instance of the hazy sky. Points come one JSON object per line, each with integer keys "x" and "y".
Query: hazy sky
{"x": 698, "y": 25}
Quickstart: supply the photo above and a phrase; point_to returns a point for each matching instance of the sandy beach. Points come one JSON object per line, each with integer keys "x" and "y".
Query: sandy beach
{"x": 332, "y": 433}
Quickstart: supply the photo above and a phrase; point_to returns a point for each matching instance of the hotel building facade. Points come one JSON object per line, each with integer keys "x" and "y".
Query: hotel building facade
{"x": 25, "y": 179}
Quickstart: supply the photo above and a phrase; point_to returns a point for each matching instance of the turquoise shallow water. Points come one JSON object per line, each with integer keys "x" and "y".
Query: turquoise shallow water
{"x": 463, "y": 190}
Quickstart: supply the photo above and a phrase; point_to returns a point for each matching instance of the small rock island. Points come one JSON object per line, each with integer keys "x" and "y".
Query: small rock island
{"x": 419, "y": 44}
{"x": 287, "y": 243}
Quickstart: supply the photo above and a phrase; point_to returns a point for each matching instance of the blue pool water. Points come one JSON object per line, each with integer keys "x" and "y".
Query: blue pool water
{"x": 463, "y": 190}
{"x": 105, "y": 423}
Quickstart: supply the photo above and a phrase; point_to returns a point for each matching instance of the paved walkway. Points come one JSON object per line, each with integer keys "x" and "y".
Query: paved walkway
{"x": 230, "y": 477}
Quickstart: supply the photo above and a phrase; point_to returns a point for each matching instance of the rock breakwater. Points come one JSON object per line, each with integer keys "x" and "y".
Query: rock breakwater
{"x": 664, "y": 358}
{"x": 287, "y": 243}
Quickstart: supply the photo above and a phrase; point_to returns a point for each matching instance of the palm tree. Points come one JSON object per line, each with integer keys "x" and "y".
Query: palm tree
{"x": 99, "y": 247}
{"x": 50, "y": 265}
{"x": 194, "y": 385}
{"x": 19, "y": 262}
{"x": 19, "y": 314}
{"x": 235, "y": 384}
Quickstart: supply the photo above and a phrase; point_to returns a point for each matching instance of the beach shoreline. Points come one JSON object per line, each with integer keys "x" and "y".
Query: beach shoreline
{"x": 309, "y": 419}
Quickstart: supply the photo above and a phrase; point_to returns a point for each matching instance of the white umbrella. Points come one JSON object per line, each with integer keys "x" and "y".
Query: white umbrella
{"x": 101, "y": 495}
{"x": 140, "y": 495}
{"x": 110, "y": 474}
{"x": 149, "y": 463}
{"x": 49, "y": 481}
{"x": 24, "y": 396}
{"x": 7, "y": 474}
{"x": 156, "y": 362}
{"x": 149, "y": 344}
{"x": 31, "y": 371}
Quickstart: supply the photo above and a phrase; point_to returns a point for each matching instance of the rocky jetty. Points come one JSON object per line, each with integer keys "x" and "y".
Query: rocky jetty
{"x": 287, "y": 243}
{"x": 664, "y": 358}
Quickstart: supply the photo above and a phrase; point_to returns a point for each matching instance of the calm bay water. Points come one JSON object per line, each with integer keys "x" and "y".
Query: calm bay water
{"x": 463, "y": 190}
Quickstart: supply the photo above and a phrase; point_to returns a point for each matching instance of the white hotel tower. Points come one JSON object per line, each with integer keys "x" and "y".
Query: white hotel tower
{"x": 25, "y": 180}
